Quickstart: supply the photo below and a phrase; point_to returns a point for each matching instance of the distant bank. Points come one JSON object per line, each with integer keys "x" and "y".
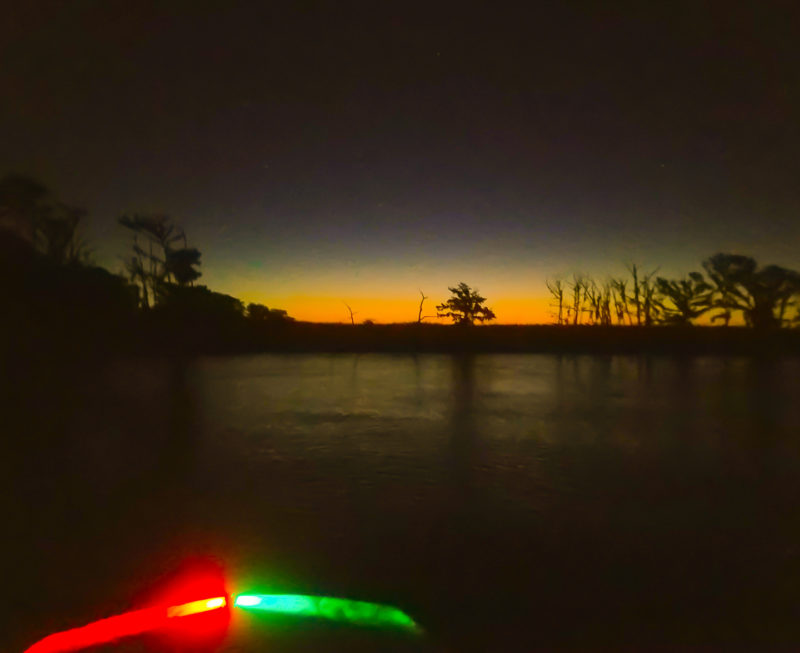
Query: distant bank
{"x": 153, "y": 336}
{"x": 310, "y": 337}
{"x": 300, "y": 337}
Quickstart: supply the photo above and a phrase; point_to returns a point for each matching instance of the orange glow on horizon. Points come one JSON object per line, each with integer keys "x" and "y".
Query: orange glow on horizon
{"x": 382, "y": 310}
{"x": 400, "y": 310}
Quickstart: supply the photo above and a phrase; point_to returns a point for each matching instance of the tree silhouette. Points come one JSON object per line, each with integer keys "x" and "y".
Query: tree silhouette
{"x": 352, "y": 313}
{"x": 23, "y": 201}
{"x": 30, "y": 210}
{"x": 195, "y": 309}
{"x": 762, "y": 295}
{"x": 591, "y": 301}
{"x": 619, "y": 290}
{"x": 605, "y": 304}
{"x": 180, "y": 265}
{"x": 465, "y": 306}
{"x": 556, "y": 289}
{"x": 577, "y": 286}
{"x": 642, "y": 296}
{"x": 773, "y": 290}
{"x": 156, "y": 261}
{"x": 147, "y": 265}
{"x": 56, "y": 235}
{"x": 420, "y": 316}
{"x": 635, "y": 297}
{"x": 725, "y": 272}
{"x": 688, "y": 298}
{"x": 260, "y": 314}
{"x": 650, "y": 307}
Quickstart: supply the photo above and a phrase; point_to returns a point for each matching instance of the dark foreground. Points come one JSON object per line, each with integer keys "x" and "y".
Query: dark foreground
{"x": 507, "y": 502}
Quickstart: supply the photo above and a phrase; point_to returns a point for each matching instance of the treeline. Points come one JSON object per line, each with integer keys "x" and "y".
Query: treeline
{"x": 164, "y": 269}
{"x": 733, "y": 286}
{"x": 52, "y": 293}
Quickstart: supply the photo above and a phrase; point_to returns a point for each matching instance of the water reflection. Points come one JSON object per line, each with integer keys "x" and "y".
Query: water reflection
{"x": 617, "y": 486}
{"x": 463, "y": 425}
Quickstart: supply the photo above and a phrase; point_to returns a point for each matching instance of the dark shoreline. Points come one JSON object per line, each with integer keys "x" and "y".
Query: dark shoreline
{"x": 430, "y": 338}
{"x": 436, "y": 338}
{"x": 156, "y": 338}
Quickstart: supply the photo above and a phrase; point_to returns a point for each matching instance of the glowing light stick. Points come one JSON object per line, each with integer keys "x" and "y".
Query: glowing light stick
{"x": 137, "y": 622}
{"x": 122, "y": 625}
{"x": 194, "y": 607}
{"x": 361, "y": 613}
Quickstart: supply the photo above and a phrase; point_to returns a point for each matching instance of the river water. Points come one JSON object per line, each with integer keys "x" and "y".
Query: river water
{"x": 525, "y": 502}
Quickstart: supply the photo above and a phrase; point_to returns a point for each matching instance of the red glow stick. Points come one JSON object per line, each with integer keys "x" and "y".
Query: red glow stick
{"x": 123, "y": 625}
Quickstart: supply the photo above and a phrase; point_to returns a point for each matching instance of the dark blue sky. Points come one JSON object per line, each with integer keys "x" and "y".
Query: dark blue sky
{"x": 329, "y": 151}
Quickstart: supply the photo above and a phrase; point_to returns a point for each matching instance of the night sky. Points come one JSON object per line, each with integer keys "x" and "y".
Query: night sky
{"x": 326, "y": 152}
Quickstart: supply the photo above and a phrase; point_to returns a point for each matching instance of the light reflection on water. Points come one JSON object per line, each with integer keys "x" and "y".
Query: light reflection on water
{"x": 509, "y": 411}
{"x": 649, "y": 491}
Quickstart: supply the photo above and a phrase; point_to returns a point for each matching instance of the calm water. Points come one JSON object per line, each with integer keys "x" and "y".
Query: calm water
{"x": 527, "y": 502}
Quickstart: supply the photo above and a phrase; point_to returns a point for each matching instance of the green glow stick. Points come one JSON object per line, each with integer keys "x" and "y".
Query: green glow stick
{"x": 360, "y": 613}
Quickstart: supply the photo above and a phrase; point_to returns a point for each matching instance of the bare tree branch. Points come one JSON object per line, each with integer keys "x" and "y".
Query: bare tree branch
{"x": 352, "y": 314}
{"x": 421, "y": 302}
